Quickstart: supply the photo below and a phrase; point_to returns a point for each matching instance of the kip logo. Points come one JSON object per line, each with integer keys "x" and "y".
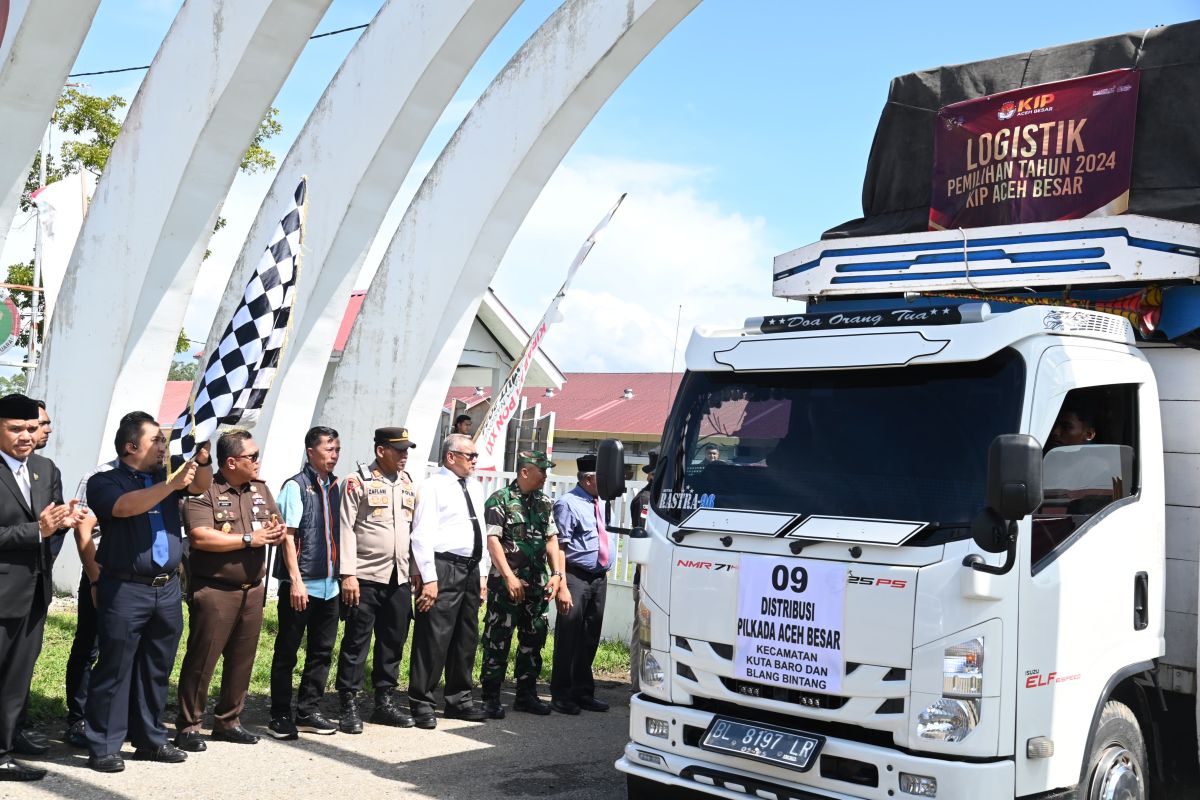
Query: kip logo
{"x": 711, "y": 566}
{"x": 882, "y": 583}
{"x": 1034, "y": 104}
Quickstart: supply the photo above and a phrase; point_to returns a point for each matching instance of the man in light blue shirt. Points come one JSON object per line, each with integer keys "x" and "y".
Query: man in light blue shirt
{"x": 307, "y": 570}
{"x": 584, "y": 540}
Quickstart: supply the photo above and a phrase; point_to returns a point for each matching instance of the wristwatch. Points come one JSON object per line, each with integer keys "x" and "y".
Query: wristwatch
{"x": 556, "y": 574}
{"x": 247, "y": 539}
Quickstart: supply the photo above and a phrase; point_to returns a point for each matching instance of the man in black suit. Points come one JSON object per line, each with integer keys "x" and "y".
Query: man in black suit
{"x": 33, "y": 520}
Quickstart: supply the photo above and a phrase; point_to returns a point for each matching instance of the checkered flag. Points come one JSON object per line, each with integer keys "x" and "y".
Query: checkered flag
{"x": 239, "y": 372}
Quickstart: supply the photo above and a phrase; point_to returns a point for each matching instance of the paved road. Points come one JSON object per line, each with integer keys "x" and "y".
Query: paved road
{"x": 519, "y": 757}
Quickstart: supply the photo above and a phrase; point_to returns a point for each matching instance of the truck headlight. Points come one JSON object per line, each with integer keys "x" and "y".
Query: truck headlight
{"x": 962, "y": 670}
{"x": 643, "y": 625}
{"x": 955, "y": 715}
{"x": 652, "y": 671}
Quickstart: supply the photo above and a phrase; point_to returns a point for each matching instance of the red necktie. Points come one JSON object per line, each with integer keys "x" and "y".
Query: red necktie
{"x": 602, "y": 536}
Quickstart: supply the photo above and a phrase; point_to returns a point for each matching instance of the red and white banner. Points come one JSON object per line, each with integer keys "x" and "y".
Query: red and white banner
{"x": 489, "y": 437}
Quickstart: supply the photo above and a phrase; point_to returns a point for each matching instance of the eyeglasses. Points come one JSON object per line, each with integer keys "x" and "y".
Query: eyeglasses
{"x": 250, "y": 456}
{"x": 467, "y": 456}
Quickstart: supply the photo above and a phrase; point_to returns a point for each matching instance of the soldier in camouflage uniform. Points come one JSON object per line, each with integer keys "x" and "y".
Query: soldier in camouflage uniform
{"x": 523, "y": 543}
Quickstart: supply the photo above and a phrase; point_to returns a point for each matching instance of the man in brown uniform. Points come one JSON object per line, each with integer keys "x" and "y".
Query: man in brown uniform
{"x": 229, "y": 528}
{"x": 376, "y": 517}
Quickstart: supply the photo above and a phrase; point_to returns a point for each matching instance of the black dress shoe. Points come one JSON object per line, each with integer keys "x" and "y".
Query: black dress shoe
{"x": 531, "y": 704}
{"x": 109, "y": 763}
{"x": 238, "y": 735}
{"x": 16, "y": 771}
{"x": 30, "y": 743}
{"x": 591, "y": 704}
{"x": 425, "y": 722}
{"x": 75, "y": 735}
{"x": 564, "y": 706}
{"x": 164, "y": 753}
{"x": 190, "y": 742}
{"x": 471, "y": 713}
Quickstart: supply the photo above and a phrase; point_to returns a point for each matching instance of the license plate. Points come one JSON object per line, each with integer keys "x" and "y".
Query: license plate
{"x": 765, "y": 743}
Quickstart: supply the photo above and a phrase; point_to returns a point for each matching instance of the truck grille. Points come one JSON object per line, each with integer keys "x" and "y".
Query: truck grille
{"x": 783, "y": 695}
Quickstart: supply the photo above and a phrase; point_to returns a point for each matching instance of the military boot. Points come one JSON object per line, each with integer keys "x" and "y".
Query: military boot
{"x": 350, "y": 721}
{"x": 491, "y": 704}
{"x": 388, "y": 713}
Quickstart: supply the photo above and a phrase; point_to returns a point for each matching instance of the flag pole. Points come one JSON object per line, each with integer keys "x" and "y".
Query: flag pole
{"x": 490, "y": 435}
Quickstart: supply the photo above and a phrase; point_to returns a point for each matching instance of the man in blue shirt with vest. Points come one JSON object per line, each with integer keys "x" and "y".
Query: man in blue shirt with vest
{"x": 579, "y": 517}
{"x": 307, "y": 570}
{"x": 139, "y": 605}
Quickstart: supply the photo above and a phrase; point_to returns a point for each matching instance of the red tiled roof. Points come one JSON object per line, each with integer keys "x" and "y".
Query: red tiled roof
{"x": 174, "y": 401}
{"x": 594, "y": 401}
{"x": 352, "y": 309}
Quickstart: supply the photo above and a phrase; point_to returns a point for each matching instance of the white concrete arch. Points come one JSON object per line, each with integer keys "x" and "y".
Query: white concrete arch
{"x": 38, "y": 45}
{"x": 356, "y": 148}
{"x": 128, "y": 283}
{"x": 402, "y": 352}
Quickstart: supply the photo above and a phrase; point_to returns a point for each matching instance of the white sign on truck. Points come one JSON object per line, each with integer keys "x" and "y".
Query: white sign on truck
{"x": 789, "y": 627}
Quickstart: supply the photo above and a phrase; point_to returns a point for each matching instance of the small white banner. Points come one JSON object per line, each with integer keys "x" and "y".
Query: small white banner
{"x": 789, "y": 628}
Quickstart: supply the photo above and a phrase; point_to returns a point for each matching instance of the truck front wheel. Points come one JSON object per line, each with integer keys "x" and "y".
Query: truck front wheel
{"x": 1117, "y": 763}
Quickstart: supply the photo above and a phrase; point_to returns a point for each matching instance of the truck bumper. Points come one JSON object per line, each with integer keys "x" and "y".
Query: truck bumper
{"x": 848, "y": 772}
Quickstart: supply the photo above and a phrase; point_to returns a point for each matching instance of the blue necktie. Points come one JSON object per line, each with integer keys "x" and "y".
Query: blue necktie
{"x": 159, "y": 551}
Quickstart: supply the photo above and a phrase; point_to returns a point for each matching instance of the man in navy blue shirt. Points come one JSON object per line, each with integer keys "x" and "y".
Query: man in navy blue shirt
{"x": 582, "y": 537}
{"x": 138, "y": 601}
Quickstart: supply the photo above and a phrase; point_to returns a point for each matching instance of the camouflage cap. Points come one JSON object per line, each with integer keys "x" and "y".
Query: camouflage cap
{"x": 536, "y": 458}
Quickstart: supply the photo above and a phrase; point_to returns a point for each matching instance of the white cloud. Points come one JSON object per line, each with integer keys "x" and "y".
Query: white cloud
{"x": 669, "y": 250}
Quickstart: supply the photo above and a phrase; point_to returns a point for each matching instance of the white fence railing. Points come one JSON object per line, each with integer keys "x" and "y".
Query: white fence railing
{"x": 622, "y": 573}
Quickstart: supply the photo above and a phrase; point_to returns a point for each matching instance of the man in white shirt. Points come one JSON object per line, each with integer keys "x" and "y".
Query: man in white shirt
{"x": 452, "y": 566}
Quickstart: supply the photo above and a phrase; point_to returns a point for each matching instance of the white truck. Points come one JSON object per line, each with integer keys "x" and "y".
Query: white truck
{"x": 877, "y": 584}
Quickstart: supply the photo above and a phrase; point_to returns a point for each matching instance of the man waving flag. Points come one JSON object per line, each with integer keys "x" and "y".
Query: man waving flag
{"x": 239, "y": 371}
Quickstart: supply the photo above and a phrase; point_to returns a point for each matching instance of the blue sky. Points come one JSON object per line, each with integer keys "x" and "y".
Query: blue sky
{"x": 743, "y": 135}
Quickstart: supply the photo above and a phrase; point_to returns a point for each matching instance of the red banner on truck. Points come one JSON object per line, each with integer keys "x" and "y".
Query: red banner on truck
{"x": 1060, "y": 150}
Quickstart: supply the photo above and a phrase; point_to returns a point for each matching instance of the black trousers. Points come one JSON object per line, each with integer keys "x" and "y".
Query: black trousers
{"x": 319, "y": 620}
{"x": 139, "y": 628}
{"x": 576, "y": 637}
{"x": 445, "y": 638}
{"x": 84, "y": 651}
{"x": 20, "y": 643}
{"x": 384, "y": 609}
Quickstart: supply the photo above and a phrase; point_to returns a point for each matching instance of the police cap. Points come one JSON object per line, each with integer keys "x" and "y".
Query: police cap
{"x": 393, "y": 437}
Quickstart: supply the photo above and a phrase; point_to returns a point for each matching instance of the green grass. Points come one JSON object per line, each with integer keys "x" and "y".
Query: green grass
{"x": 48, "y": 703}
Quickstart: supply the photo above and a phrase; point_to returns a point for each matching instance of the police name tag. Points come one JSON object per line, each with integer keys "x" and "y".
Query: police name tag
{"x": 377, "y": 495}
{"x": 789, "y": 625}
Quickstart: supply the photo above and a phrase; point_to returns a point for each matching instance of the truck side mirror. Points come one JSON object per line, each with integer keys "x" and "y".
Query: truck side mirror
{"x": 1014, "y": 490}
{"x": 1014, "y": 480}
{"x": 610, "y": 469}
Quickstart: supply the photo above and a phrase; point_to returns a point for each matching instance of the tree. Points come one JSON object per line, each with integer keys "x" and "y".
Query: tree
{"x": 182, "y": 371}
{"x": 94, "y": 125}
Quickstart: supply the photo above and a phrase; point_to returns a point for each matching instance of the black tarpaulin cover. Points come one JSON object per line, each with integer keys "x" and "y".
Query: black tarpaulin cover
{"x": 1166, "y": 142}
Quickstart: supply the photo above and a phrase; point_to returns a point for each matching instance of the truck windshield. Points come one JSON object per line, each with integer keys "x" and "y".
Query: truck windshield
{"x": 900, "y": 444}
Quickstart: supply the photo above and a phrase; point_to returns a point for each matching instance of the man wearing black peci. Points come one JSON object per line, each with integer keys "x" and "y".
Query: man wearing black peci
{"x": 139, "y": 606}
{"x": 33, "y": 520}
{"x": 447, "y": 545}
